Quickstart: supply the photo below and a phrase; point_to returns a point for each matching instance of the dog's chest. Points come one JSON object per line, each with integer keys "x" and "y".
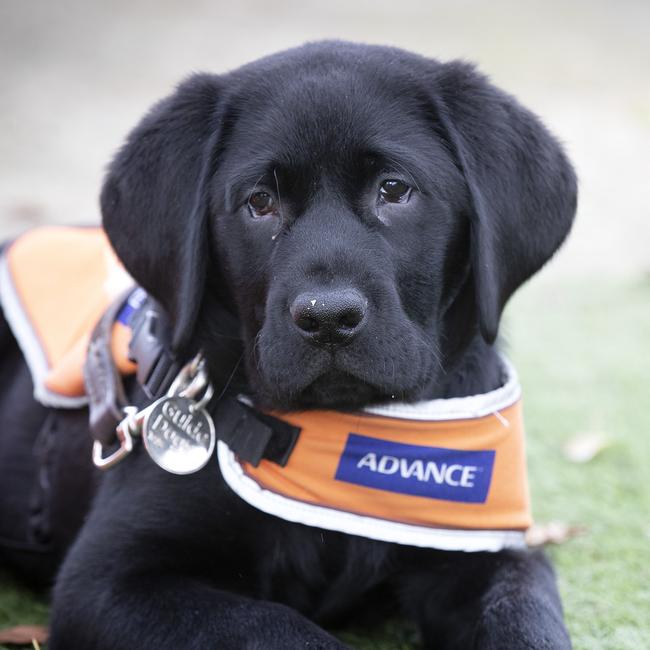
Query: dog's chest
{"x": 320, "y": 572}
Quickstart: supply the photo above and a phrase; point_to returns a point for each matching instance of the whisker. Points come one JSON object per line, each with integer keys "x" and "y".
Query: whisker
{"x": 257, "y": 182}
{"x": 256, "y": 343}
{"x": 230, "y": 378}
{"x": 392, "y": 161}
{"x": 277, "y": 187}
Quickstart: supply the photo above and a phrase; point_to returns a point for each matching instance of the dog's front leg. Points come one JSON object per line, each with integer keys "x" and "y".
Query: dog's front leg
{"x": 169, "y": 562}
{"x": 127, "y": 611}
{"x": 485, "y": 601}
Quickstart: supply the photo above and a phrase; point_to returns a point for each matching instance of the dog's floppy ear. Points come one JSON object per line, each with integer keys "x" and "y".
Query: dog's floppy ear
{"x": 521, "y": 185}
{"x": 155, "y": 200}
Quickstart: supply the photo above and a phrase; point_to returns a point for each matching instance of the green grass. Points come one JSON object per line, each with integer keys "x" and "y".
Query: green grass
{"x": 583, "y": 354}
{"x": 584, "y": 359}
{"x": 19, "y": 606}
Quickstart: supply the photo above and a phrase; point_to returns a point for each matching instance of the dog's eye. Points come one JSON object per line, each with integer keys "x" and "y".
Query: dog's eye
{"x": 261, "y": 204}
{"x": 394, "y": 191}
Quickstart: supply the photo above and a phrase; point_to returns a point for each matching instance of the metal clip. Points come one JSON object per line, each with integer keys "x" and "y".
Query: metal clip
{"x": 125, "y": 431}
{"x": 191, "y": 381}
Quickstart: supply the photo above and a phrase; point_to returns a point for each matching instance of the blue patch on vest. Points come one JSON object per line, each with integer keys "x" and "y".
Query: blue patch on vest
{"x": 433, "y": 472}
{"x": 133, "y": 303}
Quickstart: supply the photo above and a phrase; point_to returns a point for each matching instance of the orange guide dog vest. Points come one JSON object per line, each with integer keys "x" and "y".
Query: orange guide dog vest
{"x": 447, "y": 474}
{"x": 55, "y": 284}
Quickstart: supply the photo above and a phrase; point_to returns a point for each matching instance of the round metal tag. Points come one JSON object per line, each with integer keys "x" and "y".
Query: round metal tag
{"x": 178, "y": 435}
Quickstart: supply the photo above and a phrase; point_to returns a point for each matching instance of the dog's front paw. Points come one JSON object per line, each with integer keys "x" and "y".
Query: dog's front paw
{"x": 280, "y": 627}
{"x": 516, "y": 623}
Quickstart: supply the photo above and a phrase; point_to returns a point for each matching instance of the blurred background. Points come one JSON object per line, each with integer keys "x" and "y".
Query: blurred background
{"x": 76, "y": 76}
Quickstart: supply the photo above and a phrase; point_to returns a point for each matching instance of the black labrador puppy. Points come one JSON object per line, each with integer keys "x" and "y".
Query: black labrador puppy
{"x": 416, "y": 197}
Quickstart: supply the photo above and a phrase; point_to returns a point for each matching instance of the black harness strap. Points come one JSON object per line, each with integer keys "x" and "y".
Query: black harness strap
{"x": 252, "y": 435}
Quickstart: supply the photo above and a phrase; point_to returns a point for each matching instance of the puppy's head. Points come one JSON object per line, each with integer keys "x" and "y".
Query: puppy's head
{"x": 358, "y": 214}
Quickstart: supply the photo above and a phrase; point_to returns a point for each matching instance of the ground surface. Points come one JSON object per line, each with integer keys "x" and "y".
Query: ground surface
{"x": 77, "y": 75}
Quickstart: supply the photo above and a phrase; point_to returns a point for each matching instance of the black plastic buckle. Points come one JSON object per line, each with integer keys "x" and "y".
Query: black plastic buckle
{"x": 254, "y": 436}
{"x": 156, "y": 368}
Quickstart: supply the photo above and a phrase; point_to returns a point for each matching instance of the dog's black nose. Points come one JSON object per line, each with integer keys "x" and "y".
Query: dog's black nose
{"x": 329, "y": 317}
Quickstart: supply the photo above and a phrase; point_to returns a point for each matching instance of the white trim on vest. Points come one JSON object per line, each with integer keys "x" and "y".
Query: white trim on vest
{"x": 457, "y": 408}
{"x": 28, "y": 342}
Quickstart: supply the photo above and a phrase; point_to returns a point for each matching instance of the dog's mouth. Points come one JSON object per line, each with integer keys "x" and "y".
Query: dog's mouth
{"x": 388, "y": 361}
{"x": 337, "y": 390}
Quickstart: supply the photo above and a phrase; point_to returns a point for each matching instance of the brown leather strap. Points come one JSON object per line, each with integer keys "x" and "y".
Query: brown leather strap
{"x": 106, "y": 395}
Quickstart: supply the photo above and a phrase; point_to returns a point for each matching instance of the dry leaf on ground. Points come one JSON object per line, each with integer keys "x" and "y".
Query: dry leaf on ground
{"x": 23, "y": 635}
{"x": 584, "y": 447}
{"x": 553, "y": 532}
